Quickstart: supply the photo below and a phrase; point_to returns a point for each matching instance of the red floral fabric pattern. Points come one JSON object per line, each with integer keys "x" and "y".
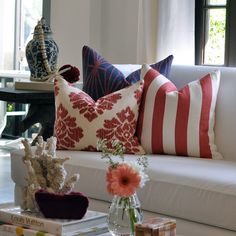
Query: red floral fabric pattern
{"x": 90, "y": 148}
{"x": 66, "y": 131}
{"x": 80, "y": 121}
{"x": 56, "y": 89}
{"x": 138, "y": 95}
{"x": 85, "y": 104}
{"x": 122, "y": 128}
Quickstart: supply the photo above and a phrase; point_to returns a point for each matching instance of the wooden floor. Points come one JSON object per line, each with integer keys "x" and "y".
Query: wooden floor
{"x": 6, "y": 184}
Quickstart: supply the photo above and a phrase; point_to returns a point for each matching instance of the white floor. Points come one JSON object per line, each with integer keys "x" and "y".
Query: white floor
{"x": 6, "y": 184}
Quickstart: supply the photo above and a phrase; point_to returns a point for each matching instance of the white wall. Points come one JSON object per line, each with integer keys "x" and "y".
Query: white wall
{"x": 70, "y": 23}
{"x": 111, "y": 27}
{"x": 108, "y": 26}
{"x": 119, "y": 28}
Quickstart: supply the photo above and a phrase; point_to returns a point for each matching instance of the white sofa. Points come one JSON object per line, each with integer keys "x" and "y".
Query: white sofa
{"x": 199, "y": 193}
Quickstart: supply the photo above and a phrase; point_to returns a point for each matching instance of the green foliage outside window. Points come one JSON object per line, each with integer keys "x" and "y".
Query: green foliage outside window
{"x": 10, "y": 107}
{"x": 215, "y": 43}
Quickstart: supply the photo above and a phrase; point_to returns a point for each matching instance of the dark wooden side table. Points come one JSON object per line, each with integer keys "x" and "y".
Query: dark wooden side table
{"x": 41, "y": 108}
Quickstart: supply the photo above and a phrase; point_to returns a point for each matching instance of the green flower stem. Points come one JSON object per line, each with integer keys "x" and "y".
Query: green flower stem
{"x": 132, "y": 217}
{"x": 131, "y": 211}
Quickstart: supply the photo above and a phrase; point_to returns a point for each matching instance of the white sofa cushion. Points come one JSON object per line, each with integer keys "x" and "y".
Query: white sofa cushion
{"x": 190, "y": 188}
{"x": 127, "y": 69}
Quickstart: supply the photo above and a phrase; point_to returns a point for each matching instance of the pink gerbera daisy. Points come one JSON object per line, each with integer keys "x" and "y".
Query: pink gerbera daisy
{"x": 108, "y": 178}
{"x": 123, "y": 180}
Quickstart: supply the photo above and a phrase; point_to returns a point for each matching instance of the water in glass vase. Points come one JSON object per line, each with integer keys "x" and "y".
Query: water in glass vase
{"x": 124, "y": 212}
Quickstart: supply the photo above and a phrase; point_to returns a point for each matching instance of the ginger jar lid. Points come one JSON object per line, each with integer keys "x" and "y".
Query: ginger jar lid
{"x": 42, "y": 26}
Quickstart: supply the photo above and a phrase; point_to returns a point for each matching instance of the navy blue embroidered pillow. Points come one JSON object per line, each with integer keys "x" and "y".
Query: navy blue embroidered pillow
{"x": 162, "y": 67}
{"x": 101, "y": 78}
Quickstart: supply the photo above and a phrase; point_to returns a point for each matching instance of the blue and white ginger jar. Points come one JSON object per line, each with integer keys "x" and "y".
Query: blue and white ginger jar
{"x": 36, "y": 60}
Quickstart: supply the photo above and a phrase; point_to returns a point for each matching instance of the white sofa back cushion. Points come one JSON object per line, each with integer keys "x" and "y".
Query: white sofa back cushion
{"x": 127, "y": 69}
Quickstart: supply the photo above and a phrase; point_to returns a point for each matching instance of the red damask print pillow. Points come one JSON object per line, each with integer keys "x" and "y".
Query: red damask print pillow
{"x": 80, "y": 121}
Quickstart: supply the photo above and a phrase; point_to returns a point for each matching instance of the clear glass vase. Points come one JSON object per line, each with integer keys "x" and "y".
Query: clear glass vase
{"x": 124, "y": 212}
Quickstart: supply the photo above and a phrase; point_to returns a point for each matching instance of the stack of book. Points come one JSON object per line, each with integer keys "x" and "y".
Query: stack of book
{"x": 15, "y": 222}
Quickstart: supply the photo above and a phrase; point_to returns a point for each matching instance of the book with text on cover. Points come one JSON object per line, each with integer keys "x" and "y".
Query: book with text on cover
{"x": 15, "y": 216}
{"x": 14, "y": 230}
{"x": 34, "y": 85}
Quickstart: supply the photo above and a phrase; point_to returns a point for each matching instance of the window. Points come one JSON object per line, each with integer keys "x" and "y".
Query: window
{"x": 215, "y": 34}
{"x": 17, "y": 21}
{"x": 29, "y": 12}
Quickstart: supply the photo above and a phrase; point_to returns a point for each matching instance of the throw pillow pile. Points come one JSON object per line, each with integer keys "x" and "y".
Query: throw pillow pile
{"x": 165, "y": 120}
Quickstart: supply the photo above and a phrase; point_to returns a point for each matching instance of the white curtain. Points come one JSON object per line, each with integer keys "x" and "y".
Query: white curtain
{"x": 2, "y": 110}
{"x": 166, "y": 27}
{"x": 147, "y": 31}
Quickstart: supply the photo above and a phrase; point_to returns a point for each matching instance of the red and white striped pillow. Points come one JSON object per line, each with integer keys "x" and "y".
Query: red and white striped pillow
{"x": 178, "y": 122}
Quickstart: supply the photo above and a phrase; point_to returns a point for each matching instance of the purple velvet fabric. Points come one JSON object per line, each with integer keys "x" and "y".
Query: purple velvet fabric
{"x": 62, "y": 206}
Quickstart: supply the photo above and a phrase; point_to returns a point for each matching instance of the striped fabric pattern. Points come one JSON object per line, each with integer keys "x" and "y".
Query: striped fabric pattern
{"x": 178, "y": 122}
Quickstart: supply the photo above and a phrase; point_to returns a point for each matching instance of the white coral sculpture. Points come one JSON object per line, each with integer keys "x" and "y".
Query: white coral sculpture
{"x": 45, "y": 171}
